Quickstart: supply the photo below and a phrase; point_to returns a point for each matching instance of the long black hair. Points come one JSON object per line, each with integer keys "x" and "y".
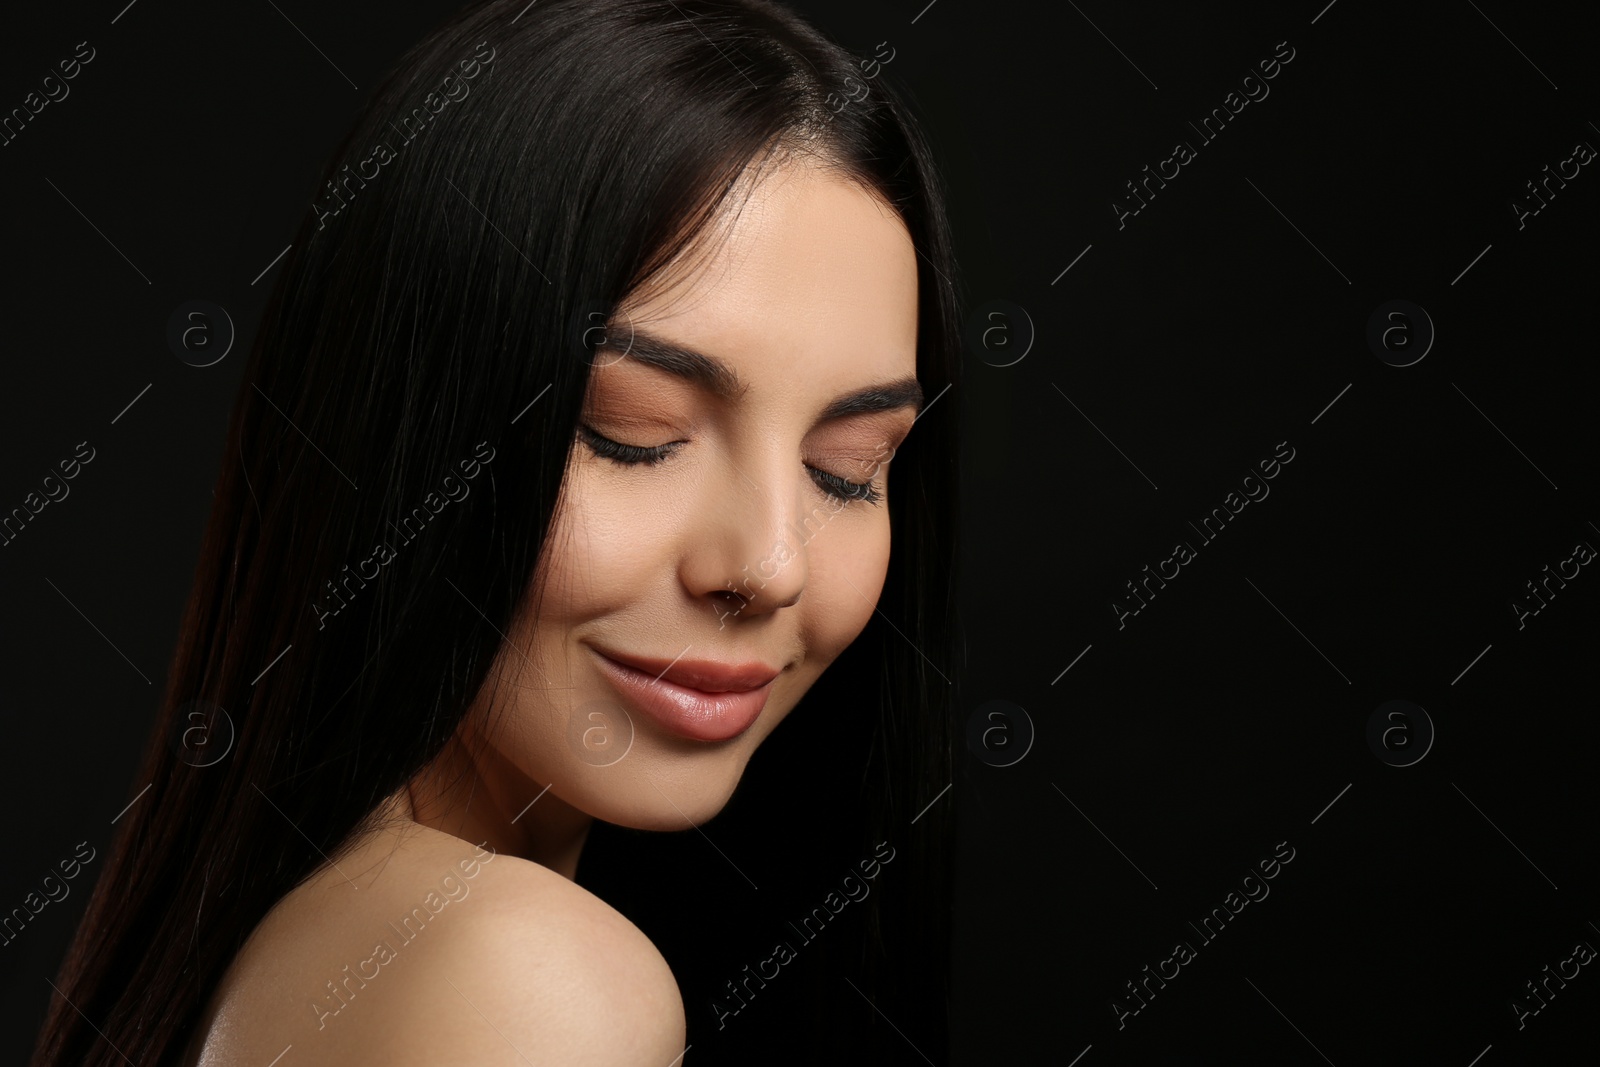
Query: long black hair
{"x": 521, "y": 172}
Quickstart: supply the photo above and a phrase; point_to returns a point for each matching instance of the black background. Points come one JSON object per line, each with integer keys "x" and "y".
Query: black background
{"x": 1174, "y": 354}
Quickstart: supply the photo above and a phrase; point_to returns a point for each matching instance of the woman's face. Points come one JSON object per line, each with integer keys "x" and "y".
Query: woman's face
{"x": 724, "y": 528}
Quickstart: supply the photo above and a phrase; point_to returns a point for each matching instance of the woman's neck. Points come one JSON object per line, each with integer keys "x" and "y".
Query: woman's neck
{"x": 486, "y": 802}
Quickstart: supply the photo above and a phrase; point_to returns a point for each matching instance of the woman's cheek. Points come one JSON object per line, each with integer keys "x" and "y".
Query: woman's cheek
{"x": 855, "y": 570}
{"x": 607, "y": 540}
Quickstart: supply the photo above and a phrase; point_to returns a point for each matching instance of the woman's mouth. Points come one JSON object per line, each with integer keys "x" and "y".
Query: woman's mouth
{"x": 702, "y": 700}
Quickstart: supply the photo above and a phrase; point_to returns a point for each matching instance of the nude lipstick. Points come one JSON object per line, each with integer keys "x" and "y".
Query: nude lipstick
{"x": 701, "y": 700}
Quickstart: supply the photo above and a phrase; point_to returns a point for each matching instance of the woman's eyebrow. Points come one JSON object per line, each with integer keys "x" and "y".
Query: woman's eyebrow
{"x": 907, "y": 392}
{"x": 696, "y": 367}
{"x": 722, "y": 380}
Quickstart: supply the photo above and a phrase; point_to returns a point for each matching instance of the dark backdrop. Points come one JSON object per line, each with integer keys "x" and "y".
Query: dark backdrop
{"x": 1127, "y": 372}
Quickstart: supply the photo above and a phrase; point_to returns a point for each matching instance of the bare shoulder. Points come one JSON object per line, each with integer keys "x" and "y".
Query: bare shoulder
{"x": 424, "y": 949}
{"x": 544, "y": 972}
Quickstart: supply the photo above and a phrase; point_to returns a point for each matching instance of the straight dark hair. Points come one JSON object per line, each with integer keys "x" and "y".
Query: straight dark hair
{"x": 435, "y": 318}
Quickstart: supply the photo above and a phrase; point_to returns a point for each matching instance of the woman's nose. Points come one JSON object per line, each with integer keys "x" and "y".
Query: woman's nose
{"x": 746, "y": 555}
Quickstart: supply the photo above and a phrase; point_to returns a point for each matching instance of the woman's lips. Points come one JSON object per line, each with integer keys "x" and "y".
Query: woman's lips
{"x": 729, "y": 705}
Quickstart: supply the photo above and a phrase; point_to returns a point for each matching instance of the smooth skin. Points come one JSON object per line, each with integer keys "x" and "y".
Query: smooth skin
{"x": 807, "y": 294}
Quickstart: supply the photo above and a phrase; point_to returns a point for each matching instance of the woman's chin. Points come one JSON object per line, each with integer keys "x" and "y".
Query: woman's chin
{"x": 644, "y": 801}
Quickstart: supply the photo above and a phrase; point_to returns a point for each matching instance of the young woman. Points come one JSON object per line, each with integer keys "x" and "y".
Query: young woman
{"x": 605, "y": 370}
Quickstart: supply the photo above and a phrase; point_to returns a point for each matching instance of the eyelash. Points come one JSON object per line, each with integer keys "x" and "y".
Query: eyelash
{"x": 637, "y": 455}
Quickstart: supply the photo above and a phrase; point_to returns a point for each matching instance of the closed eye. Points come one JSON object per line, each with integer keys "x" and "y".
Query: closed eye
{"x": 626, "y": 455}
{"x": 844, "y": 488}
